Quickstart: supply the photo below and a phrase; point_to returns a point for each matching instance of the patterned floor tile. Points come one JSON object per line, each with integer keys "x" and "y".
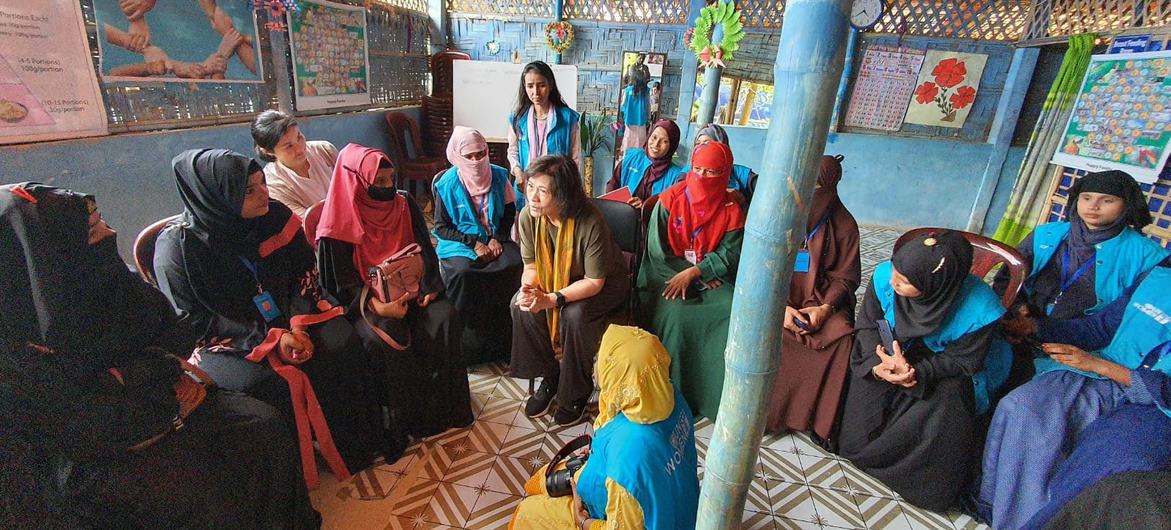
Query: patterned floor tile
{"x": 784, "y": 523}
{"x": 701, "y": 445}
{"x": 921, "y": 519}
{"x": 415, "y": 523}
{"x": 865, "y": 484}
{"x": 493, "y": 511}
{"x": 824, "y": 473}
{"x": 758, "y": 499}
{"x": 554, "y": 441}
{"x": 508, "y": 475}
{"x": 704, "y": 428}
{"x": 511, "y": 388}
{"x": 778, "y": 442}
{"x": 802, "y": 445}
{"x": 781, "y": 466}
{"x": 414, "y": 499}
{"x": 483, "y": 437}
{"x": 470, "y": 469}
{"x": 541, "y": 423}
{"x": 500, "y": 410}
{"x": 478, "y": 402}
{"x": 372, "y": 483}
{"x": 882, "y": 513}
{"x": 433, "y": 463}
{"x": 792, "y": 501}
{"x": 965, "y": 522}
{"x": 836, "y": 508}
{"x": 756, "y": 521}
{"x": 521, "y": 442}
{"x": 485, "y": 384}
{"x": 451, "y": 505}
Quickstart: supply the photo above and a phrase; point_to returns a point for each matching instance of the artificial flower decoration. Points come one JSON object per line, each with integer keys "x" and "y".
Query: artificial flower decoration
{"x": 559, "y": 35}
{"x": 728, "y": 18}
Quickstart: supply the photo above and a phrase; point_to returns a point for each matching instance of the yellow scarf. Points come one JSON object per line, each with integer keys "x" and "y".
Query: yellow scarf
{"x": 633, "y": 373}
{"x": 553, "y": 265}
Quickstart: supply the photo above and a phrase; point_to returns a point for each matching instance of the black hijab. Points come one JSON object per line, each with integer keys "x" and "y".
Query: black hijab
{"x": 937, "y": 264}
{"x": 60, "y": 292}
{"x": 1082, "y": 239}
{"x": 211, "y": 184}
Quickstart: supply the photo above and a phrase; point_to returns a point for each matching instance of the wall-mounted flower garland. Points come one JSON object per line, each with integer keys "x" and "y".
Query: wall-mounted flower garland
{"x": 559, "y": 35}
{"x": 726, "y": 15}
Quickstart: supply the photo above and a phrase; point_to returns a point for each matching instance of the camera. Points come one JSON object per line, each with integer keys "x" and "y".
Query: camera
{"x": 559, "y": 483}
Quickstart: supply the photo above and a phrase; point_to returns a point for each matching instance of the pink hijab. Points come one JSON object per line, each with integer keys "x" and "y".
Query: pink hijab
{"x": 377, "y": 229}
{"x": 475, "y": 175}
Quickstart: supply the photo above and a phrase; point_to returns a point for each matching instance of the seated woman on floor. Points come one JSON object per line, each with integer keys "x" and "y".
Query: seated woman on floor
{"x": 298, "y": 172}
{"x": 416, "y": 345}
{"x": 642, "y": 466}
{"x": 1078, "y": 267}
{"x": 237, "y": 268}
{"x": 475, "y": 206}
{"x": 575, "y": 278}
{"x": 685, "y": 282}
{"x": 910, "y": 414}
{"x": 650, "y": 171}
{"x": 743, "y": 179}
{"x": 1121, "y": 391}
{"x": 84, "y": 377}
{"x": 819, "y": 319}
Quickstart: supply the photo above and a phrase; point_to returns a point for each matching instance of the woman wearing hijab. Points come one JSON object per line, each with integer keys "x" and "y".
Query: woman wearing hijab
{"x": 1106, "y": 412}
{"x": 686, "y": 279}
{"x": 297, "y": 173}
{"x": 819, "y": 318}
{"x": 641, "y": 471}
{"x": 743, "y": 179}
{"x": 475, "y": 207}
{"x": 574, "y": 279}
{"x": 85, "y": 375}
{"x": 910, "y": 414}
{"x": 1078, "y": 267}
{"x": 648, "y": 172}
{"x": 237, "y": 267}
{"x": 366, "y": 220}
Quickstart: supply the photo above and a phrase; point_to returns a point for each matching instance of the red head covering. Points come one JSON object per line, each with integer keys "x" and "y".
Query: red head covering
{"x": 377, "y": 229}
{"x": 701, "y": 210}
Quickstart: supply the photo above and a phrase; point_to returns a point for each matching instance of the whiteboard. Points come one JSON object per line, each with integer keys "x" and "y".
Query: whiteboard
{"x": 485, "y": 92}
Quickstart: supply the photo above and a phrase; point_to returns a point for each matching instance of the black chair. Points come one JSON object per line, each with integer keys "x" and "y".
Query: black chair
{"x": 625, "y": 222}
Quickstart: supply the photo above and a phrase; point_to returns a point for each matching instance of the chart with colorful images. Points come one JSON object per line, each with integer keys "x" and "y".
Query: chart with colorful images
{"x": 1122, "y": 118}
{"x": 886, "y": 80}
{"x": 330, "y": 66}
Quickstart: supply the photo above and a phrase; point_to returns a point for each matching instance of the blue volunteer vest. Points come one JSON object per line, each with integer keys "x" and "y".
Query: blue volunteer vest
{"x": 634, "y": 107}
{"x": 976, "y": 306}
{"x": 1146, "y": 324}
{"x": 1120, "y": 260}
{"x": 738, "y": 180}
{"x": 656, "y": 464}
{"x": 634, "y": 166}
{"x": 559, "y": 139}
{"x": 459, "y": 206}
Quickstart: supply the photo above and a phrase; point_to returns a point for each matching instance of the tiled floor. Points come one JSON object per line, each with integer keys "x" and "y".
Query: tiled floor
{"x": 473, "y": 478}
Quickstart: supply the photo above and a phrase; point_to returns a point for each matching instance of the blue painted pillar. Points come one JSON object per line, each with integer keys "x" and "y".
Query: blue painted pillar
{"x": 844, "y": 84}
{"x": 1020, "y": 75}
{"x": 558, "y": 9}
{"x": 687, "y": 82}
{"x": 806, "y": 74}
{"x": 711, "y": 85}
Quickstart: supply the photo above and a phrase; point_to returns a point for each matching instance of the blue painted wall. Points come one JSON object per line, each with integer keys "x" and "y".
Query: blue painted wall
{"x": 130, "y": 174}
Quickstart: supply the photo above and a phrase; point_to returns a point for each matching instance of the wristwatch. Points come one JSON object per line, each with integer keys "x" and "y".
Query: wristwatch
{"x": 560, "y": 300}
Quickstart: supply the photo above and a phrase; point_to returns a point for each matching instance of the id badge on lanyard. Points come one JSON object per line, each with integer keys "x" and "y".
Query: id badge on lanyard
{"x": 691, "y": 256}
{"x": 801, "y": 263}
{"x": 263, "y": 300}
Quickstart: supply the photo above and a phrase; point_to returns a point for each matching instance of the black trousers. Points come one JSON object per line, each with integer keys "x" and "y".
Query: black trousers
{"x": 582, "y": 324}
{"x": 481, "y": 291}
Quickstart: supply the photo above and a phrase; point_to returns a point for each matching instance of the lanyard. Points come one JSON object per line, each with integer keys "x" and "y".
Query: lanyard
{"x": 809, "y": 236}
{"x": 254, "y": 268}
{"x": 694, "y": 234}
{"x": 1067, "y": 281}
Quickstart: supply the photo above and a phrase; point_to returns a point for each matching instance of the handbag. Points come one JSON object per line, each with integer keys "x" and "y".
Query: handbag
{"x": 401, "y": 274}
{"x": 191, "y": 391}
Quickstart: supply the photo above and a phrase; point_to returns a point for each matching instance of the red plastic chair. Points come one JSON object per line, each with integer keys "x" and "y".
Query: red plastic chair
{"x": 441, "y": 71}
{"x": 406, "y": 150}
{"x": 144, "y": 249}
{"x": 987, "y": 253}
{"x": 309, "y": 223}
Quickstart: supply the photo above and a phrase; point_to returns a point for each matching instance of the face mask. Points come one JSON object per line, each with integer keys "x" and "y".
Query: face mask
{"x": 382, "y": 194}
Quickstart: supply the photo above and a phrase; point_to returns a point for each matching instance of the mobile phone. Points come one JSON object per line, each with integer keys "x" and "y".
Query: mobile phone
{"x": 1034, "y": 344}
{"x": 801, "y": 324}
{"x": 888, "y": 338}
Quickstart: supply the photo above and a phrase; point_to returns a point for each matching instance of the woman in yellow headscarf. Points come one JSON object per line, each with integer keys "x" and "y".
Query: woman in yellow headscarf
{"x": 642, "y": 470}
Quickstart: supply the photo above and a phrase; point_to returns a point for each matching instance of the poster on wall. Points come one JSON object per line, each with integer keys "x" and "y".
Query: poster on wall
{"x": 946, "y": 88}
{"x": 330, "y": 66}
{"x": 1122, "y": 117}
{"x": 48, "y": 88}
{"x": 885, "y": 83}
{"x": 188, "y": 41}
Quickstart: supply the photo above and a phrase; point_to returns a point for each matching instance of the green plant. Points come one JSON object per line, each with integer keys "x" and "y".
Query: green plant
{"x": 595, "y": 132}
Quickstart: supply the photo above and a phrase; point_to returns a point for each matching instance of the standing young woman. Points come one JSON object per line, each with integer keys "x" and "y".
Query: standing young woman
{"x": 541, "y": 124}
{"x": 635, "y": 107}
{"x": 298, "y": 171}
{"x": 574, "y": 278}
{"x": 365, "y": 221}
{"x": 475, "y": 208}
{"x": 648, "y": 172}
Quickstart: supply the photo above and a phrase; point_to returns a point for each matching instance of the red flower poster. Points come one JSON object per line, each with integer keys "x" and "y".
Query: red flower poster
{"x": 946, "y": 88}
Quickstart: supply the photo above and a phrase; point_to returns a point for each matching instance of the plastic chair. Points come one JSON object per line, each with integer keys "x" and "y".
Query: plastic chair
{"x": 625, "y": 224}
{"x": 309, "y": 223}
{"x": 648, "y": 206}
{"x": 144, "y": 248}
{"x": 442, "y": 71}
{"x": 987, "y": 253}
{"x": 406, "y": 149}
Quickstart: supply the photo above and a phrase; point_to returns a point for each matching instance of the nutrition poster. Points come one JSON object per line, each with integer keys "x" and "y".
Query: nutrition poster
{"x": 330, "y": 67}
{"x": 48, "y": 88}
{"x": 1122, "y": 118}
